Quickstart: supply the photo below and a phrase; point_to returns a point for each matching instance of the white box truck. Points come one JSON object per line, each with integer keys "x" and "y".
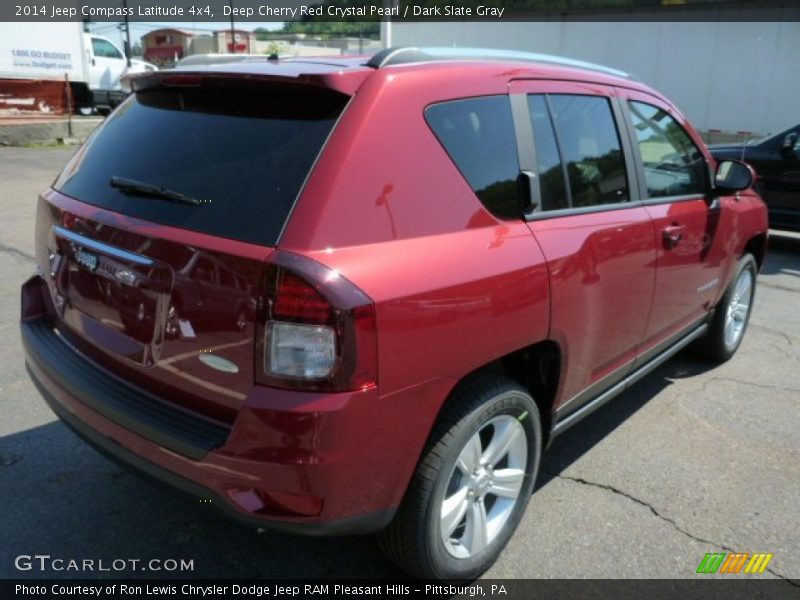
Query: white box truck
{"x": 36, "y": 59}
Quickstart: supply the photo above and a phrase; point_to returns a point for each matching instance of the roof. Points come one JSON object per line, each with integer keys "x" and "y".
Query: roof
{"x": 346, "y": 73}
{"x": 406, "y": 56}
{"x": 413, "y": 55}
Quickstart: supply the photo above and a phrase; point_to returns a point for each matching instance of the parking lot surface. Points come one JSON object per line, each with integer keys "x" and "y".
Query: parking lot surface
{"x": 697, "y": 458}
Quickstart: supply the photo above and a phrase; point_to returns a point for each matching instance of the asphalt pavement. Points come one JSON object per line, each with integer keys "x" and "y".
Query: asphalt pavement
{"x": 697, "y": 458}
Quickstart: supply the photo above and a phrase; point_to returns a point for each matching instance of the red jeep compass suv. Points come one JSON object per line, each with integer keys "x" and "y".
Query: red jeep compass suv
{"x": 347, "y": 295}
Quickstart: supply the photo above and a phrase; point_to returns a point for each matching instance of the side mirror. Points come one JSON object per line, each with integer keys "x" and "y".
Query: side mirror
{"x": 789, "y": 147}
{"x": 526, "y": 187}
{"x": 733, "y": 176}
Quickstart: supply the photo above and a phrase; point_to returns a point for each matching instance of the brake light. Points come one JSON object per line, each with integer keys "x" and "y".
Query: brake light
{"x": 183, "y": 80}
{"x": 297, "y": 300}
{"x": 316, "y": 329}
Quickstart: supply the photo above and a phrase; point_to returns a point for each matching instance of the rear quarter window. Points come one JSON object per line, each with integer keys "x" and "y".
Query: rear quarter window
{"x": 478, "y": 135}
{"x": 245, "y": 150}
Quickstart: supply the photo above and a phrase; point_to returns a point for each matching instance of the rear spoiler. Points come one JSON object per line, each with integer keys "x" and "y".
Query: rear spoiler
{"x": 344, "y": 81}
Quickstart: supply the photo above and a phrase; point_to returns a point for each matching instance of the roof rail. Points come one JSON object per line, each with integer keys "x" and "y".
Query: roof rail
{"x": 403, "y": 55}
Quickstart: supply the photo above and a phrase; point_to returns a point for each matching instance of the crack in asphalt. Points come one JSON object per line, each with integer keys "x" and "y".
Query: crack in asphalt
{"x": 769, "y": 386}
{"x": 16, "y": 252}
{"x": 777, "y": 332}
{"x": 652, "y": 509}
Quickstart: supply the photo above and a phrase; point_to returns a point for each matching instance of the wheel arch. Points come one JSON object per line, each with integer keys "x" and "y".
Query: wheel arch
{"x": 757, "y": 246}
{"x": 536, "y": 367}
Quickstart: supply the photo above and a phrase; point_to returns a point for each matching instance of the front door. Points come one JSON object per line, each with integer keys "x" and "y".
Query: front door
{"x": 778, "y": 169}
{"x": 690, "y": 255}
{"x": 106, "y": 65}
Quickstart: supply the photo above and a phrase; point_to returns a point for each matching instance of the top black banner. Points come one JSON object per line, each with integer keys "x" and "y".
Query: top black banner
{"x": 398, "y": 10}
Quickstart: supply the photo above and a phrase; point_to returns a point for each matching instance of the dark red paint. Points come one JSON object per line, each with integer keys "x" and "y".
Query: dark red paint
{"x": 453, "y": 288}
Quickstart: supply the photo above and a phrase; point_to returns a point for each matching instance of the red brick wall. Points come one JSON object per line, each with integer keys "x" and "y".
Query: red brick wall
{"x": 34, "y": 95}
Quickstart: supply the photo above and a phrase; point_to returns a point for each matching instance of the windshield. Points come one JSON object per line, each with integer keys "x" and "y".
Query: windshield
{"x": 771, "y": 136}
{"x": 244, "y": 152}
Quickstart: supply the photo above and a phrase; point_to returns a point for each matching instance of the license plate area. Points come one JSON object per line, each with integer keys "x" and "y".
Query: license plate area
{"x": 115, "y": 298}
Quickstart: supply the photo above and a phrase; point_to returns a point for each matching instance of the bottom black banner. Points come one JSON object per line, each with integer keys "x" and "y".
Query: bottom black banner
{"x": 509, "y": 589}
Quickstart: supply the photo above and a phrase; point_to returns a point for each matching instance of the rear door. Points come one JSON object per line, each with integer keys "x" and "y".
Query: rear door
{"x": 691, "y": 257}
{"x": 135, "y": 278}
{"x": 599, "y": 245}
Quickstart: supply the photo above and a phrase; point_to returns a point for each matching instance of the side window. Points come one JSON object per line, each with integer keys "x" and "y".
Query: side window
{"x": 789, "y": 144}
{"x": 204, "y": 270}
{"x": 673, "y": 165}
{"x": 104, "y": 49}
{"x": 551, "y": 174}
{"x": 590, "y": 148}
{"x": 478, "y": 135}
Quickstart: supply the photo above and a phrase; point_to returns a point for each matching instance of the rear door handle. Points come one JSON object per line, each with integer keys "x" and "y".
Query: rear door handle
{"x": 673, "y": 234}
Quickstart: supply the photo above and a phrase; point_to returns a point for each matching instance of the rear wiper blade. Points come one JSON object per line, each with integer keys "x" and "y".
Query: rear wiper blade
{"x": 139, "y": 188}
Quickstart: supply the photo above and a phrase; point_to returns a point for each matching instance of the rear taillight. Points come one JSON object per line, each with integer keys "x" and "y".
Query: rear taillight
{"x": 300, "y": 351}
{"x": 316, "y": 329}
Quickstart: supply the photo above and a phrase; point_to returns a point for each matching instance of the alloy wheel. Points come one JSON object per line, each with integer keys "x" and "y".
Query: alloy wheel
{"x": 484, "y": 486}
{"x": 738, "y": 309}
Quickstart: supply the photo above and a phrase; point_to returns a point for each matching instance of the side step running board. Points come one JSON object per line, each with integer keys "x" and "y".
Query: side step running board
{"x": 572, "y": 418}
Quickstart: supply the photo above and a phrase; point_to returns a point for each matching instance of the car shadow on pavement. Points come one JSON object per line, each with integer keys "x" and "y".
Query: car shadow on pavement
{"x": 583, "y": 436}
{"x": 65, "y": 500}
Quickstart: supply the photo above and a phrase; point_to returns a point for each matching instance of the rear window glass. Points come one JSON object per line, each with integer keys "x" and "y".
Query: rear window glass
{"x": 243, "y": 151}
{"x": 478, "y": 134}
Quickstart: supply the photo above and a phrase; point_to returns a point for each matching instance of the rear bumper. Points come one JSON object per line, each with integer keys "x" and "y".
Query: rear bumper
{"x": 292, "y": 461}
{"x": 195, "y": 492}
{"x": 130, "y": 407}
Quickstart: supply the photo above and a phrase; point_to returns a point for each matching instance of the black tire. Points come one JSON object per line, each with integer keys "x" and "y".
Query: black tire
{"x": 414, "y": 540}
{"x": 714, "y": 345}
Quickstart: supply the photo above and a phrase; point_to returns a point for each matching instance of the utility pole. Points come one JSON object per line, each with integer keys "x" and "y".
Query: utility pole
{"x": 386, "y": 25}
{"x": 127, "y": 34}
{"x": 233, "y": 35}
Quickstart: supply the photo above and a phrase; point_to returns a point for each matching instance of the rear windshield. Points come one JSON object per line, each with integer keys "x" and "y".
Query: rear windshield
{"x": 243, "y": 151}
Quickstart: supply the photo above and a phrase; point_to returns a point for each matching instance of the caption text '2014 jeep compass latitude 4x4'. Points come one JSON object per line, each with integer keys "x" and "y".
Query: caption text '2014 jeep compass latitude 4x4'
{"x": 362, "y": 295}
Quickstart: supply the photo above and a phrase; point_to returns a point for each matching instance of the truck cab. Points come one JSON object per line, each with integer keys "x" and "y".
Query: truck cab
{"x": 106, "y": 67}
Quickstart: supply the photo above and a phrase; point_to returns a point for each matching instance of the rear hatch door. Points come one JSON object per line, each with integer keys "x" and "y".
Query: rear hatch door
{"x": 155, "y": 235}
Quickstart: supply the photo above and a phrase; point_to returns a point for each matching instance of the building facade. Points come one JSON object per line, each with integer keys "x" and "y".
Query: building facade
{"x": 163, "y": 47}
